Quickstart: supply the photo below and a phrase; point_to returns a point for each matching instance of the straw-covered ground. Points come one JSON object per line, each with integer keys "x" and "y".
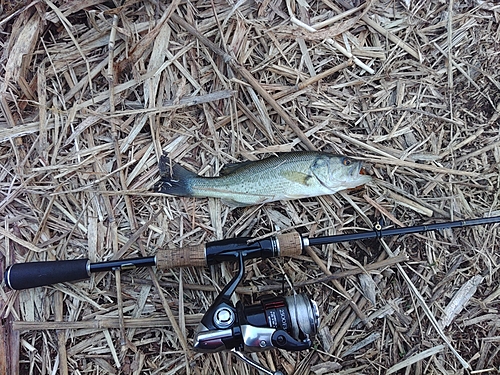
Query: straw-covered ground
{"x": 92, "y": 92}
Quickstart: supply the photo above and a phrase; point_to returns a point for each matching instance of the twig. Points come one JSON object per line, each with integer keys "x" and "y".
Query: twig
{"x": 334, "y": 43}
{"x": 249, "y": 290}
{"x": 415, "y": 358}
{"x": 100, "y": 324}
{"x": 313, "y": 80}
{"x": 61, "y": 335}
{"x": 114, "y": 133}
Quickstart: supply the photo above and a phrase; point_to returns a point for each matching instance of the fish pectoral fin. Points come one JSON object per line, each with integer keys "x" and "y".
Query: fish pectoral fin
{"x": 298, "y": 177}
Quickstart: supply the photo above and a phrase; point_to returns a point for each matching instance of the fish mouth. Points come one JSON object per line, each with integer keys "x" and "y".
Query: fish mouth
{"x": 357, "y": 169}
{"x": 359, "y": 173}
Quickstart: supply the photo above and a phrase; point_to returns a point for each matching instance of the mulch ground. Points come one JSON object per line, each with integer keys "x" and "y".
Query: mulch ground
{"x": 93, "y": 92}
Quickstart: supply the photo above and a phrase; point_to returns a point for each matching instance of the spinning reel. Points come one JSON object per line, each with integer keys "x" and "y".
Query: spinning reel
{"x": 287, "y": 323}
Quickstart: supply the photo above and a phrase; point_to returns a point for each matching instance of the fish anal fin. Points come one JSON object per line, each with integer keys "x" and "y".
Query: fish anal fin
{"x": 245, "y": 202}
{"x": 234, "y": 203}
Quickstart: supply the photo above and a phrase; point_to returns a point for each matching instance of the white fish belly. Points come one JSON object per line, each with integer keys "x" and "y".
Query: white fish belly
{"x": 260, "y": 190}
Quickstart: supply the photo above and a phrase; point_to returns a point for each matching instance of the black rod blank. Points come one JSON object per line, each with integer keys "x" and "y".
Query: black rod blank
{"x": 30, "y": 275}
{"x": 123, "y": 264}
{"x": 317, "y": 241}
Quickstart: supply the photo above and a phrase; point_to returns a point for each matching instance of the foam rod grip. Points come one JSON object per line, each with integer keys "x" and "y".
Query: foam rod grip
{"x": 33, "y": 274}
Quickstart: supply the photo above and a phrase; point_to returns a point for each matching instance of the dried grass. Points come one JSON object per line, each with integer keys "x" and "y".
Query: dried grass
{"x": 92, "y": 94}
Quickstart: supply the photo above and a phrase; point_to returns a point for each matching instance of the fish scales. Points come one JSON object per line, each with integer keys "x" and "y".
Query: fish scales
{"x": 272, "y": 177}
{"x": 291, "y": 175}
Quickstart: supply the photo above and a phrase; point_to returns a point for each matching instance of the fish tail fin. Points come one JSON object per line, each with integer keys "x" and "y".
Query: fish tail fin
{"x": 175, "y": 180}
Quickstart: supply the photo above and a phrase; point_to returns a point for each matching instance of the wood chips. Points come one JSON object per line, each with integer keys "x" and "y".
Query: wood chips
{"x": 92, "y": 92}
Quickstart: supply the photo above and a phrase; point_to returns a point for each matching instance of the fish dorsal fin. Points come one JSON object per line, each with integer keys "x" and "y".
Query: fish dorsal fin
{"x": 233, "y": 167}
{"x": 298, "y": 177}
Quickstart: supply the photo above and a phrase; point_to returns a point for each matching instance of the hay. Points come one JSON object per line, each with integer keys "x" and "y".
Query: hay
{"x": 93, "y": 92}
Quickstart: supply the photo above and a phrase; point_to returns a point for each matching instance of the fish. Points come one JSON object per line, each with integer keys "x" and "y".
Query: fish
{"x": 286, "y": 176}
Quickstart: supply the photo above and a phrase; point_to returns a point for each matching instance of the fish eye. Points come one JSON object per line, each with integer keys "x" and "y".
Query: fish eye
{"x": 346, "y": 162}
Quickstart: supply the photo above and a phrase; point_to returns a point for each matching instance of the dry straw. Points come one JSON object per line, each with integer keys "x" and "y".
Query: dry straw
{"x": 93, "y": 92}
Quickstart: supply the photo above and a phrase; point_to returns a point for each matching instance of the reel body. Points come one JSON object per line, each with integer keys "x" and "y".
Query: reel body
{"x": 287, "y": 323}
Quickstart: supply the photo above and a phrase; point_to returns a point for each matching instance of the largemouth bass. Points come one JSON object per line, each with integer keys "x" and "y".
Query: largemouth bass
{"x": 290, "y": 175}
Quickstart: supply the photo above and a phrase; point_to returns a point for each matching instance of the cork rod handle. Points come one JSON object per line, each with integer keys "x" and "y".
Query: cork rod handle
{"x": 189, "y": 256}
{"x": 290, "y": 244}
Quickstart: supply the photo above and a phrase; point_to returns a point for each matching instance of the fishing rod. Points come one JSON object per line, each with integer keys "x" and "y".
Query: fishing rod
{"x": 276, "y": 322}
{"x": 35, "y": 274}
